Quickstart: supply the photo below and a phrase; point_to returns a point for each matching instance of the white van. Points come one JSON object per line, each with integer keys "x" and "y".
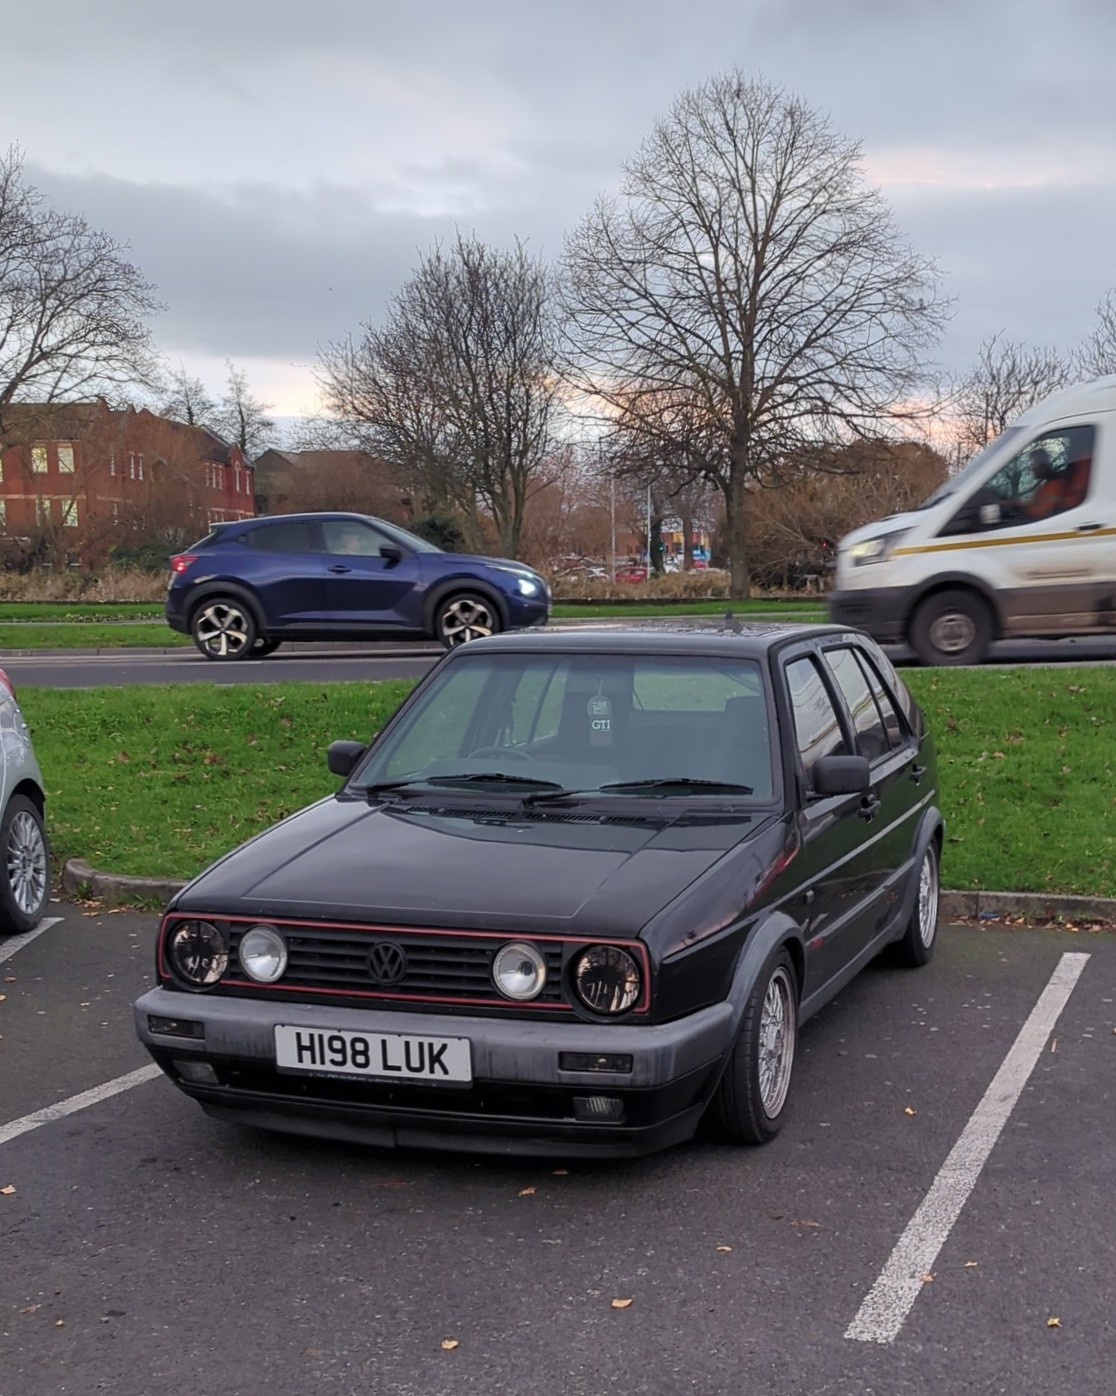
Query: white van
{"x": 1022, "y": 542}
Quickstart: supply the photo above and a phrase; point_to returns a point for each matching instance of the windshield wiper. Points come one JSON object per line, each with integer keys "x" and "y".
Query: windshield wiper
{"x": 722, "y": 787}
{"x": 492, "y": 778}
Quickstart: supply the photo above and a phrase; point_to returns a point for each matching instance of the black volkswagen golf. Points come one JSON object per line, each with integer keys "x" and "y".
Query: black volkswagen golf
{"x": 576, "y": 897}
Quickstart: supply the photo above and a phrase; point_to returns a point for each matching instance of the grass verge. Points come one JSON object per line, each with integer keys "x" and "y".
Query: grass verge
{"x": 79, "y": 611}
{"x": 88, "y": 635}
{"x": 160, "y": 781}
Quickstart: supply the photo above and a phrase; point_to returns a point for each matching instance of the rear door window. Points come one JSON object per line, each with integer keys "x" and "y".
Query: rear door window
{"x": 297, "y": 536}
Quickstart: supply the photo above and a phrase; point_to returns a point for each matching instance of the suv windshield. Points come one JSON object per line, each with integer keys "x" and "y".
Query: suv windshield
{"x": 504, "y": 723}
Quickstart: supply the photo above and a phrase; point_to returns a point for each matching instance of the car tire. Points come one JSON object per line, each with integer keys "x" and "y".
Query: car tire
{"x": 751, "y": 1099}
{"x": 24, "y": 866}
{"x": 951, "y": 627}
{"x": 262, "y": 648}
{"x": 223, "y": 628}
{"x": 916, "y": 945}
{"x": 465, "y": 616}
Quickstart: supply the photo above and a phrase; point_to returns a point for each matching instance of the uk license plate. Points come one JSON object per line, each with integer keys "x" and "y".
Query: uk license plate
{"x": 387, "y": 1056}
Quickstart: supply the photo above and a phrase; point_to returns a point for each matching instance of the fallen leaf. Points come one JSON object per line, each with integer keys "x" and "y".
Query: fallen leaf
{"x": 1054, "y": 1045}
{"x": 9, "y": 979}
{"x": 59, "y": 1323}
{"x": 448, "y": 1344}
{"x": 8, "y": 1191}
{"x": 816, "y": 1225}
{"x": 31, "y": 1309}
{"x": 1053, "y": 1322}
{"x": 724, "y": 1249}
{"x": 621, "y": 1303}
{"x": 971, "y": 1264}
{"x": 928, "y": 1279}
{"x": 908, "y": 1111}
{"x": 3, "y": 997}
{"x": 565, "y": 1172}
{"x": 526, "y": 1192}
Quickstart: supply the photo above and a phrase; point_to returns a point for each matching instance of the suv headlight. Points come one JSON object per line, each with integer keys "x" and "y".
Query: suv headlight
{"x": 526, "y": 587}
{"x": 877, "y": 549}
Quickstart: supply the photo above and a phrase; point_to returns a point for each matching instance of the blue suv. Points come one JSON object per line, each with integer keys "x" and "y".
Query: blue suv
{"x": 248, "y": 586}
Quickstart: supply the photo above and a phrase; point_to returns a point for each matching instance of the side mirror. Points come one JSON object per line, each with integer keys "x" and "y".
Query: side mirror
{"x": 990, "y": 515}
{"x": 840, "y": 775}
{"x": 391, "y": 554}
{"x": 343, "y": 757}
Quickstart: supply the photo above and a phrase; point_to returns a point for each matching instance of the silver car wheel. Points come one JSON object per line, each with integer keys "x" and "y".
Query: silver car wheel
{"x": 928, "y": 898}
{"x": 27, "y": 863}
{"x": 467, "y": 618}
{"x": 953, "y": 632}
{"x": 222, "y": 630}
{"x": 776, "y": 1041}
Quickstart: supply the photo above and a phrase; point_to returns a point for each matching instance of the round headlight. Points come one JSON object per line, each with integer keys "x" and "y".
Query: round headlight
{"x": 607, "y": 979}
{"x": 198, "y": 952}
{"x": 519, "y": 971}
{"x": 263, "y": 954}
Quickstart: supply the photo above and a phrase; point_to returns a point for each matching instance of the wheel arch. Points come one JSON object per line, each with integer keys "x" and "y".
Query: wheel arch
{"x": 33, "y": 792}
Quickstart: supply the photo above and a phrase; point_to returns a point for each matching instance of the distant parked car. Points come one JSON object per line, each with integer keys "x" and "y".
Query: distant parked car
{"x": 631, "y": 572}
{"x": 577, "y": 895}
{"x": 24, "y": 849}
{"x": 248, "y": 586}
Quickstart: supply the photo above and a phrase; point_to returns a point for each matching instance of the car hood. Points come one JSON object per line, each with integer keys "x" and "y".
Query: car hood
{"x": 469, "y": 867}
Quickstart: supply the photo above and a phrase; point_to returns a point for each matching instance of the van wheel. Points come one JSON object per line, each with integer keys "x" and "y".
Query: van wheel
{"x": 951, "y": 627}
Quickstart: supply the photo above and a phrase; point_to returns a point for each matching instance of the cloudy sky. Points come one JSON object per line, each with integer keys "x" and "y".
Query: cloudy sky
{"x": 278, "y": 165}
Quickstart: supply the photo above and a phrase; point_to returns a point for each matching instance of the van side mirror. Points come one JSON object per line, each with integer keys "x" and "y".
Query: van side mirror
{"x": 840, "y": 775}
{"x": 342, "y": 757}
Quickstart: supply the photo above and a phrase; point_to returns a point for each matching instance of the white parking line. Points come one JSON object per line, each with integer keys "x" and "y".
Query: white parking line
{"x": 891, "y": 1298}
{"x": 50, "y": 1113}
{"x": 11, "y": 945}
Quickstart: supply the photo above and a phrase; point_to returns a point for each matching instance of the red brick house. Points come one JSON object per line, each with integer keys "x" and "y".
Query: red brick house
{"x": 76, "y": 478}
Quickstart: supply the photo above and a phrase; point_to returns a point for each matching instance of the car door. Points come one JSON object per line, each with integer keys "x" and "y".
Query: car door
{"x": 285, "y": 571}
{"x": 829, "y": 901}
{"x": 362, "y": 586}
{"x": 894, "y": 798}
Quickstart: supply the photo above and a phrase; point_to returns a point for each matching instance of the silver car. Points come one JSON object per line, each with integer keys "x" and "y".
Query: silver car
{"x": 24, "y": 849}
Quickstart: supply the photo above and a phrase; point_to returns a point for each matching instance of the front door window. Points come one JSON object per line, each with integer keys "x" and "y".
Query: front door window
{"x": 1048, "y": 477}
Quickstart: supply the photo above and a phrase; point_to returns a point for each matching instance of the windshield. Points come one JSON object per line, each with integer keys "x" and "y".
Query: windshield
{"x": 514, "y": 723}
{"x": 409, "y": 540}
{"x": 970, "y": 468}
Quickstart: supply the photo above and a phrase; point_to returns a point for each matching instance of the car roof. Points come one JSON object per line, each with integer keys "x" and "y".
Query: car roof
{"x": 712, "y": 637}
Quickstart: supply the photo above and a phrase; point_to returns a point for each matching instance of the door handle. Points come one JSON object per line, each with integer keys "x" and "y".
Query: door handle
{"x": 869, "y": 808}
{"x": 339, "y": 567}
{"x": 1089, "y": 527}
{"x": 916, "y": 773}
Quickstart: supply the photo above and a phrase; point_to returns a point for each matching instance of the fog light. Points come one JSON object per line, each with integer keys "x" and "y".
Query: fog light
{"x": 598, "y": 1107}
{"x": 263, "y": 954}
{"x": 594, "y": 1061}
{"x": 175, "y": 1027}
{"x": 197, "y": 1073}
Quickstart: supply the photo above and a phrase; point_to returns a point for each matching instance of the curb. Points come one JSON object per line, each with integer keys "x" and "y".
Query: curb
{"x": 113, "y": 889}
{"x": 417, "y": 651}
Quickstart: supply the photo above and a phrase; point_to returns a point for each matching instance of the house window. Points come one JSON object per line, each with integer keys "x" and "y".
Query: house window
{"x": 42, "y": 511}
{"x": 131, "y": 465}
{"x": 39, "y": 458}
{"x": 237, "y": 479}
{"x": 70, "y": 513}
{"x": 3, "y": 513}
{"x": 139, "y": 467}
{"x": 115, "y": 509}
{"x": 112, "y": 462}
{"x": 66, "y": 457}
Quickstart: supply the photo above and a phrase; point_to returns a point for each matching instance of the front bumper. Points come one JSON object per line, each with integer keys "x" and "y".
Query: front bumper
{"x": 880, "y": 611}
{"x": 519, "y": 1102}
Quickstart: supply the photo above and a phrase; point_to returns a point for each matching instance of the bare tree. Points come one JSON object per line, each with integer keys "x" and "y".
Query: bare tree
{"x": 73, "y": 309}
{"x": 1097, "y": 356}
{"x": 459, "y": 385}
{"x": 242, "y": 418}
{"x": 749, "y": 263}
{"x": 186, "y": 399}
{"x": 1007, "y": 379}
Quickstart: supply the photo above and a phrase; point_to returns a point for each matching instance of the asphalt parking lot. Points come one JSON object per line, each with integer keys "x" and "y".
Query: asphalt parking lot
{"x": 147, "y": 1250}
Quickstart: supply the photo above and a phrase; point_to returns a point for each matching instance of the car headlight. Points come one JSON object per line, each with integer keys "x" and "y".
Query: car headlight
{"x": 519, "y": 971}
{"x": 263, "y": 954}
{"x": 877, "y": 549}
{"x": 198, "y": 952}
{"x": 607, "y": 979}
{"x": 526, "y": 587}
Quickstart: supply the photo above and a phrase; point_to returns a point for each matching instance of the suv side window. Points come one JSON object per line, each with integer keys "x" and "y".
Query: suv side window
{"x": 348, "y": 538}
{"x": 295, "y": 537}
{"x": 1047, "y": 477}
{"x": 817, "y": 727}
{"x": 871, "y": 736}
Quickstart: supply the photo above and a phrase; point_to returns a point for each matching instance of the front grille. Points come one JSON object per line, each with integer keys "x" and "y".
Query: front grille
{"x": 440, "y": 967}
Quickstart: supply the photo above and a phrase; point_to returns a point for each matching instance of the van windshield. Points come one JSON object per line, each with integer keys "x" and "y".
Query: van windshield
{"x": 971, "y": 468}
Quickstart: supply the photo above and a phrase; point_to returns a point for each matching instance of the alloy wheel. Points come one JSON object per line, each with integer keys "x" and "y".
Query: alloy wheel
{"x": 467, "y": 618}
{"x": 776, "y": 1041}
{"x": 222, "y": 629}
{"x": 928, "y": 898}
{"x": 26, "y": 863}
